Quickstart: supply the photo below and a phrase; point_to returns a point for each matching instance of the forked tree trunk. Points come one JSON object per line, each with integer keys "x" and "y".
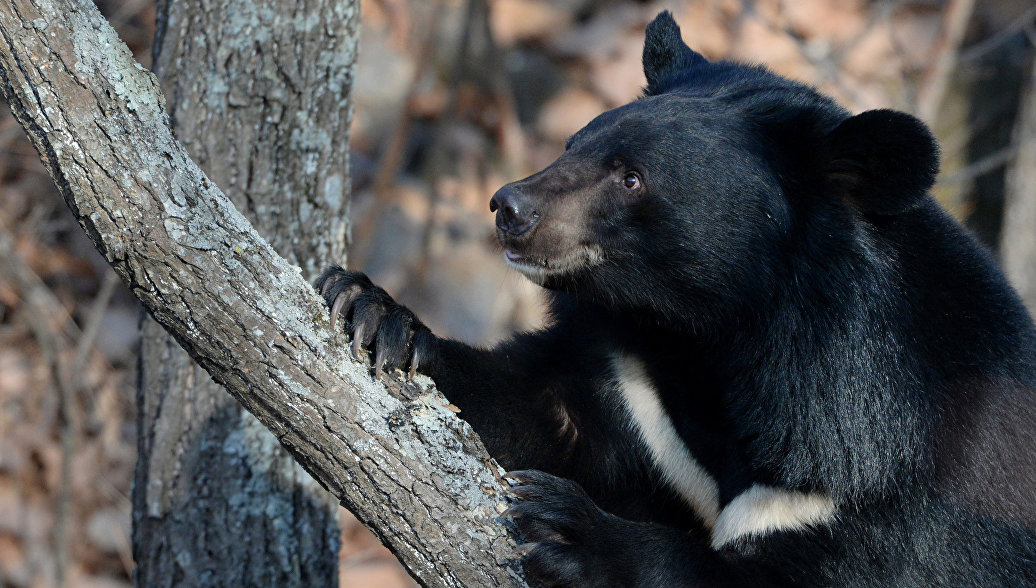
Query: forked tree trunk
{"x": 259, "y": 94}
{"x": 397, "y": 457}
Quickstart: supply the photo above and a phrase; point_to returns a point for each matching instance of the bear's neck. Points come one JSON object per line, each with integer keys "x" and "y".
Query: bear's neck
{"x": 907, "y": 301}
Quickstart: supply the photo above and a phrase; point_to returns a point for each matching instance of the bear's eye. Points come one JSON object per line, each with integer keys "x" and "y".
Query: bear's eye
{"x": 631, "y": 181}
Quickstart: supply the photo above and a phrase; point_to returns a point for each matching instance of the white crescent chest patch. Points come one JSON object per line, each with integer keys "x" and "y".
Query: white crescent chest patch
{"x": 760, "y": 510}
{"x": 668, "y": 452}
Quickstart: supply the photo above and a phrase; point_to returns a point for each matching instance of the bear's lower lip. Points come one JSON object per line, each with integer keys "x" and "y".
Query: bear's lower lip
{"x": 519, "y": 261}
{"x": 538, "y": 270}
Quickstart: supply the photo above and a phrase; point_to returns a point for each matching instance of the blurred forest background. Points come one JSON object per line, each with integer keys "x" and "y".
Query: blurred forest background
{"x": 453, "y": 99}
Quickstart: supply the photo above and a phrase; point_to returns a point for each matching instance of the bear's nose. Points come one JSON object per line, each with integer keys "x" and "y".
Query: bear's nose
{"x": 515, "y": 213}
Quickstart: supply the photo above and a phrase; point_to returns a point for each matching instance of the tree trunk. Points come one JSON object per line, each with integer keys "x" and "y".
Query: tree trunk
{"x": 400, "y": 459}
{"x": 260, "y": 99}
{"x": 1018, "y": 239}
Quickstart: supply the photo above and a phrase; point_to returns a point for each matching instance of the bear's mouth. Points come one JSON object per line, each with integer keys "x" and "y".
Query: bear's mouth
{"x": 525, "y": 264}
{"x": 538, "y": 269}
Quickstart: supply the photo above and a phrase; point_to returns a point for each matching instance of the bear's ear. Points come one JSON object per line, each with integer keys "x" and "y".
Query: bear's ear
{"x": 665, "y": 53}
{"x": 882, "y": 160}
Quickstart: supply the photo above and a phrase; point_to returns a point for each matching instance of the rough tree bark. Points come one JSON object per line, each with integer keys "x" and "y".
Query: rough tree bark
{"x": 1018, "y": 237}
{"x": 258, "y": 93}
{"x": 400, "y": 460}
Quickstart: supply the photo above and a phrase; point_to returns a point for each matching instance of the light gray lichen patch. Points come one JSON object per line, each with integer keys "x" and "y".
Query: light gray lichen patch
{"x": 191, "y": 234}
{"x": 100, "y": 54}
{"x": 332, "y": 191}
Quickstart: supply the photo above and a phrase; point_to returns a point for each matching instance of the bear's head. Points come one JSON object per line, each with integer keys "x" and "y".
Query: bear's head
{"x": 709, "y": 190}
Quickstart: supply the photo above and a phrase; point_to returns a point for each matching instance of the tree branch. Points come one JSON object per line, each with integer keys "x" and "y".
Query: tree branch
{"x": 402, "y": 462}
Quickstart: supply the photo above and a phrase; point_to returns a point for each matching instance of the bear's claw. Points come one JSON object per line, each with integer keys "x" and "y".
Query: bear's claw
{"x": 561, "y": 530}
{"x": 374, "y": 319}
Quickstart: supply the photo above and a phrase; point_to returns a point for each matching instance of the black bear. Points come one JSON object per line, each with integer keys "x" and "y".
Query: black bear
{"x": 772, "y": 360}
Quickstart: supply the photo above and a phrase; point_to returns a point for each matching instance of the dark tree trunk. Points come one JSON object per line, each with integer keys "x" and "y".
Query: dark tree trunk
{"x": 259, "y": 94}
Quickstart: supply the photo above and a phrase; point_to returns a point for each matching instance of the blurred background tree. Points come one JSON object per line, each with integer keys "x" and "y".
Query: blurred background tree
{"x": 261, "y": 99}
{"x": 454, "y": 98}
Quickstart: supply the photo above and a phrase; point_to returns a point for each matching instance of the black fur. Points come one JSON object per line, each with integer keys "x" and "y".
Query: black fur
{"x": 809, "y": 317}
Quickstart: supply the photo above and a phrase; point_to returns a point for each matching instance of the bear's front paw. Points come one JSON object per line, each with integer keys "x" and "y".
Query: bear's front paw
{"x": 568, "y": 540}
{"x": 398, "y": 338}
